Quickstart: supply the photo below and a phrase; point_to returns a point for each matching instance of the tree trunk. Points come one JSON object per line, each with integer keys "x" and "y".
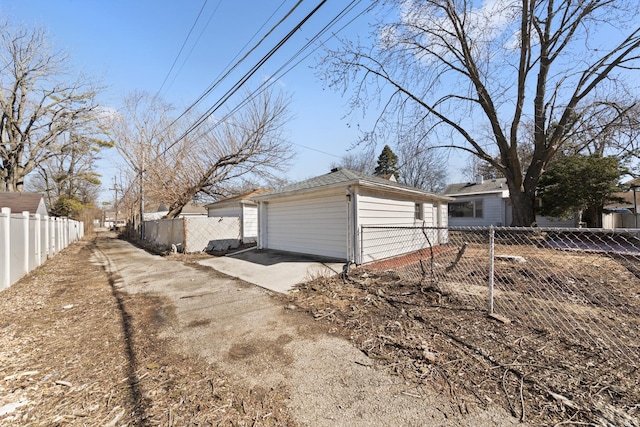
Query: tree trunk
{"x": 523, "y": 208}
{"x": 593, "y": 217}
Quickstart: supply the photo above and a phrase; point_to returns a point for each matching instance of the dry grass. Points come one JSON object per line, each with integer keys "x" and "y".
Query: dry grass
{"x": 75, "y": 351}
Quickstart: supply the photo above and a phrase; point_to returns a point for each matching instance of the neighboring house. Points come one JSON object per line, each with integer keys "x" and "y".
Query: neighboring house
{"x": 243, "y": 207}
{"x": 624, "y": 213}
{"x": 328, "y": 216}
{"x": 486, "y": 202}
{"x": 190, "y": 209}
{"x": 21, "y": 202}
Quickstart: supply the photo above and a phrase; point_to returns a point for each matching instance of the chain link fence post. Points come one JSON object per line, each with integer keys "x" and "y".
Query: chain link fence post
{"x": 491, "y": 266}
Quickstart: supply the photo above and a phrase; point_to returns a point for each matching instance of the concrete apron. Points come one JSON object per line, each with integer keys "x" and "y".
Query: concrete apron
{"x": 273, "y": 270}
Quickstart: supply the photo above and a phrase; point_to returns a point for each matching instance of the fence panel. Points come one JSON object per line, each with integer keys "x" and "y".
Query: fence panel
{"x": 194, "y": 234}
{"x": 211, "y": 233}
{"x": 19, "y": 245}
{"x": 579, "y": 285}
{"x": 5, "y": 248}
{"x": 165, "y": 232}
{"x": 27, "y": 240}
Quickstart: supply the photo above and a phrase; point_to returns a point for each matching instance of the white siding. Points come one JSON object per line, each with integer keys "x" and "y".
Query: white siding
{"x": 249, "y": 223}
{"x": 224, "y": 211}
{"x": 388, "y": 211}
{"x": 314, "y": 224}
{"x": 376, "y": 210}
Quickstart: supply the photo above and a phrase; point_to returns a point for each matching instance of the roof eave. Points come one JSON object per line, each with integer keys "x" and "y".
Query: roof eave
{"x": 301, "y": 191}
{"x": 361, "y": 183}
{"x": 402, "y": 190}
{"x": 504, "y": 193}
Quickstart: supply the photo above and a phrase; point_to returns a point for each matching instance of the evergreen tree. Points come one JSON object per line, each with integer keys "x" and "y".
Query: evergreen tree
{"x": 387, "y": 163}
{"x": 581, "y": 184}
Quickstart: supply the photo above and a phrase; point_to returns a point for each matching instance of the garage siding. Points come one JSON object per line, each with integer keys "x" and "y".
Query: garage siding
{"x": 249, "y": 223}
{"x": 316, "y": 226}
{"x": 405, "y": 234}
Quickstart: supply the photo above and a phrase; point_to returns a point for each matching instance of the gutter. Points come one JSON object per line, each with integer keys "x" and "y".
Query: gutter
{"x": 358, "y": 182}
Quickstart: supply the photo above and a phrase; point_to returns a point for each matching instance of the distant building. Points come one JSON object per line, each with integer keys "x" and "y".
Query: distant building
{"x": 21, "y": 202}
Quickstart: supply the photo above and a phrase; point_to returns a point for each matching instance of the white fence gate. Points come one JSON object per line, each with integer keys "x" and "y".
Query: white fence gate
{"x": 26, "y": 241}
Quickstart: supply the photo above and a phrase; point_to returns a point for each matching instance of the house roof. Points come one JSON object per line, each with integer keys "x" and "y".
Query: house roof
{"x": 488, "y": 186}
{"x": 239, "y": 198}
{"x": 626, "y": 200}
{"x": 342, "y": 177}
{"x": 190, "y": 209}
{"x": 193, "y": 209}
{"x": 20, "y": 202}
{"x": 633, "y": 183}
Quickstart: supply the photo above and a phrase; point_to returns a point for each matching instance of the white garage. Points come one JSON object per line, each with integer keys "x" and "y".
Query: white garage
{"x": 324, "y": 216}
{"x": 316, "y": 225}
{"x": 242, "y": 207}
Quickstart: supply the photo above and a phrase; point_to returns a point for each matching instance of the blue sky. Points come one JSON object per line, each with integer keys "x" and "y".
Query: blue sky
{"x": 131, "y": 45}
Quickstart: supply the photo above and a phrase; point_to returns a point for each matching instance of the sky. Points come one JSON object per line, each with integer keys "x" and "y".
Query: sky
{"x": 131, "y": 46}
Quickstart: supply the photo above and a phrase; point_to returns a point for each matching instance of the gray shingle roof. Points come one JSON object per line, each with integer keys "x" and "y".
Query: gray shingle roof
{"x": 488, "y": 186}
{"x": 19, "y": 202}
{"x": 342, "y": 176}
{"x": 244, "y": 196}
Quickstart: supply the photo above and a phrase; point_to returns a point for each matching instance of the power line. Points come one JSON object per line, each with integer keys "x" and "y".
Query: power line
{"x": 182, "y": 47}
{"x": 230, "y": 70}
{"x": 175, "y": 76}
{"x": 252, "y": 71}
{"x": 279, "y": 73}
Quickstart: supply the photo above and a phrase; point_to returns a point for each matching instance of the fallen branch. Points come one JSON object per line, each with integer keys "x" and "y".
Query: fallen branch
{"x": 458, "y": 257}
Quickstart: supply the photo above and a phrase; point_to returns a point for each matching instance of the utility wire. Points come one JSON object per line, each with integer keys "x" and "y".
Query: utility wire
{"x": 265, "y": 85}
{"x": 246, "y": 77}
{"x": 230, "y": 70}
{"x": 182, "y": 47}
{"x": 279, "y": 73}
{"x": 175, "y": 76}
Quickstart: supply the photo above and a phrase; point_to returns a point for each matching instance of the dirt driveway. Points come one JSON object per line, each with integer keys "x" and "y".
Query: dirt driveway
{"x": 195, "y": 344}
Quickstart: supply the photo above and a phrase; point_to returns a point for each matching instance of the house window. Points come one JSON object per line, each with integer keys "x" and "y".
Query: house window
{"x": 470, "y": 209}
{"x": 418, "y": 212}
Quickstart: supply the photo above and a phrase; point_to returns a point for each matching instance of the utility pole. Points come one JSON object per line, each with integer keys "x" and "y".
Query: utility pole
{"x": 142, "y": 198}
{"x": 115, "y": 202}
{"x": 141, "y": 207}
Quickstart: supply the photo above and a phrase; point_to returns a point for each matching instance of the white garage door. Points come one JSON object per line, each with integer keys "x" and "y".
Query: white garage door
{"x": 316, "y": 226}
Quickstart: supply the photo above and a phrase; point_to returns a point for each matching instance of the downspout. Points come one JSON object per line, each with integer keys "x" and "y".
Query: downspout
{"x": 241, "y": 223}
{"x": 635, "y": 207}
{"x": 355, "y": 255}
{"x": 262, "y": 229}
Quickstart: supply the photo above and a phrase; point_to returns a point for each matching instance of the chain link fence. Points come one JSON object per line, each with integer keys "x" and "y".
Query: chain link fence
{"x": 578, "y": 286}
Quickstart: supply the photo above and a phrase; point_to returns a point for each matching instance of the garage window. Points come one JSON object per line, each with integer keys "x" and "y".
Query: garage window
{"x": 418, "y": 212}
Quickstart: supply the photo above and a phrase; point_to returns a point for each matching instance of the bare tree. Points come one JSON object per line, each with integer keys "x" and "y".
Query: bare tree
{"x": 422, "y": 168}
{"x": 361, "y": 161}
{"x": 477, "y": 74}
{"x": 179, "y": 166}
{"x": 69, "y": 179}
{"x": 41, "y": 105}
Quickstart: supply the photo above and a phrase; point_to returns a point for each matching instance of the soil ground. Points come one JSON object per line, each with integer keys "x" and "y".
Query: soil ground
{"x": 105, "y": 334}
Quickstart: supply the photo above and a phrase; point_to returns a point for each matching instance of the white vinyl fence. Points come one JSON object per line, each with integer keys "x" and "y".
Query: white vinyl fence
{"x": 26, "y": 241}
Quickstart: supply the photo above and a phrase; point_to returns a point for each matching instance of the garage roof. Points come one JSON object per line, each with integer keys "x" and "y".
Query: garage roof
{"x": 20, "y": 202}
{"x": 341, "y": 177}
{"x": 239, "y": 198}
